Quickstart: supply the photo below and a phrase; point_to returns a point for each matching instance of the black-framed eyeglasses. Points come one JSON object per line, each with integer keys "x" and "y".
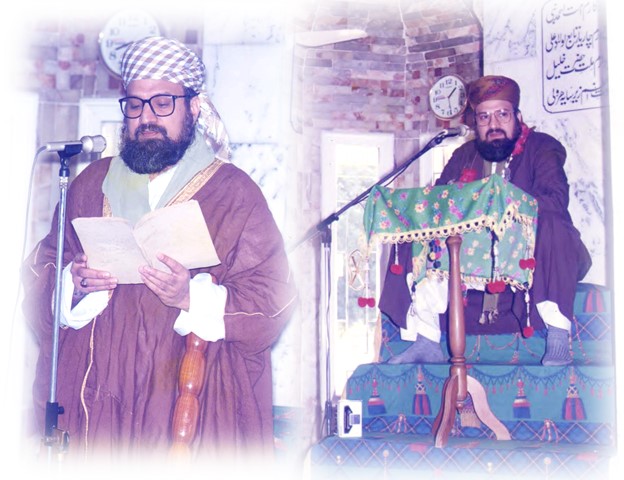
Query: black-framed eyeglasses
{"x": 503, "y": 116}
{"x": 162, "y": 105}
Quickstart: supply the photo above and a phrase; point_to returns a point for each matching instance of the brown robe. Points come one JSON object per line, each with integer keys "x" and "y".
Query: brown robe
{"x": 129, "y": 388}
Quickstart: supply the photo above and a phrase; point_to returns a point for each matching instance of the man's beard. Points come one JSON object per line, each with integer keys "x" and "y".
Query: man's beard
{"x": 154, "y": 155}
{"x": 499, "y": 149}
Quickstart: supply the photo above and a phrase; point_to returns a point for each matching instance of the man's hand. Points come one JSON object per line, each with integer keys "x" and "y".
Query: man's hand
{"x": 172, "y": 288}
{"x": 87, "y": 280}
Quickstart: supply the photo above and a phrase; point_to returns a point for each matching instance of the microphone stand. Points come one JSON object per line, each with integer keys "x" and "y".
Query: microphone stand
{"x": 323, "y": 229}
{"x": 54, "y": 438}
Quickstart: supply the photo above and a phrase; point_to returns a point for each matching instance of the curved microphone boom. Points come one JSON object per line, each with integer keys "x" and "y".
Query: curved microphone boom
{"x": 458, "y": 131}
{"x": 87, "y": 144}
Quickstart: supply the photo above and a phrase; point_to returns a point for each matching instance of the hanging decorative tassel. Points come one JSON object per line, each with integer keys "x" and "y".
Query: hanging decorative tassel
{"x": 573, "y": 408}
{"x": 376, "y": 405}
{"x": 521, "y": 404}
{"x": 422, "y": 406}
{"x": 496, "y": 285}
{"x": 489, "y": 311}
{"x": 528, "y": 330}
{"x": 527, "y": 264}
{"x": 467, "y": 415}
{"x": 366, "y": 300}
{"x": 396, "y": 268}
{"x": 435, "y": 253}
{"x": 399, "y": 425}
{"x": 549, "y": 431}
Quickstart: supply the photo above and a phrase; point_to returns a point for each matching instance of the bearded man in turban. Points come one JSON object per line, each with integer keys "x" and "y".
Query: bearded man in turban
{"x": 120, "y": 345}
{"x": 534, "y": 162}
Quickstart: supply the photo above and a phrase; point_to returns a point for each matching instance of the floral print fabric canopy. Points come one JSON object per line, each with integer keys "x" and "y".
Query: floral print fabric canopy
{"x": 496, "y": 220}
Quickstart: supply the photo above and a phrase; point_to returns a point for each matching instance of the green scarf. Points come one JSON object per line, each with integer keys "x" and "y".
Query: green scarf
{"x": 127, "y": 191}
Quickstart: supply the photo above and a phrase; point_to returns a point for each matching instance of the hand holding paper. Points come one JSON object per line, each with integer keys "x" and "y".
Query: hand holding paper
{"x": 179, "y": 231}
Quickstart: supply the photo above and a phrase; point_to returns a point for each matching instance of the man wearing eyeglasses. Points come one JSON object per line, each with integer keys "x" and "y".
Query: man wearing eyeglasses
{"x": 121, "y": 344}
{"x": 534, "y": 162}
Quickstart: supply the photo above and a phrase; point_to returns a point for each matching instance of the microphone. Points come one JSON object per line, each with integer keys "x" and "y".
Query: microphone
{"x": 458, "y": 131}
{"x": 86, "y": 144}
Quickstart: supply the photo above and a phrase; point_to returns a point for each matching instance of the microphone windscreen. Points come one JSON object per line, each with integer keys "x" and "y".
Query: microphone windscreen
{"x": 95, "y": 144}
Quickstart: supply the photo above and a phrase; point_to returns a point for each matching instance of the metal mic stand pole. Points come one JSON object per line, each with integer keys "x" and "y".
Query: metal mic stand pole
{"x": 325, "y": 310}
{"x": 53, "y": 437}
{"x": 324, "y": 228}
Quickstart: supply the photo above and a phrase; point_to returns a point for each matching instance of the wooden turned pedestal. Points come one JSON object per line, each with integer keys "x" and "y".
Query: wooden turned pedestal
{"x": 459, "y": 384}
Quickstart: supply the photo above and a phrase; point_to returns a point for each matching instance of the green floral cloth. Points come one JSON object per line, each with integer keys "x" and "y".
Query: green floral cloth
{"x": 496, "y": 220}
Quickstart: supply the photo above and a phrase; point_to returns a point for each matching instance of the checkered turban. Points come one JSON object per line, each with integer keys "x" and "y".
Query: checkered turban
{"x": 493, "y": 87}
{"x": 158, "y": 58}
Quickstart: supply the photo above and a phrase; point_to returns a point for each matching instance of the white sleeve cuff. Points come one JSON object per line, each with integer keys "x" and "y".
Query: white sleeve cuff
{"x": 206, "y": 310}
{"x": 86, "y": 310}
{"x": 552, "y": 316}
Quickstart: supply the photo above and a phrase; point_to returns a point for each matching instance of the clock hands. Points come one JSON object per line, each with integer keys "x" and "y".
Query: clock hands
{"x": 449, "y": 98}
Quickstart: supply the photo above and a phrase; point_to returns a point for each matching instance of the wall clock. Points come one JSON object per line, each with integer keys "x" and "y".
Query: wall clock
{"x": 448, "y": 97}
{"x": 120, "y": 31}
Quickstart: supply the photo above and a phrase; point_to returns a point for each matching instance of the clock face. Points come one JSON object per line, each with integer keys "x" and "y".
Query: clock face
{"x": 120, "y": 31}
{"x": 448, "y": 97}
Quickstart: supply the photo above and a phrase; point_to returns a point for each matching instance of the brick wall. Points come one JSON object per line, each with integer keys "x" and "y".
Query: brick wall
{"x": 379, "y": 83}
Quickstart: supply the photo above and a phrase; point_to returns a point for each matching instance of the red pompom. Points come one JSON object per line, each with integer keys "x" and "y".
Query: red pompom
{"x": 527, "y": 263}
{"x": 527, "y": 332}
{"x": 497, "y": 286}
{"x": 366, "y": 302}
{"x": 396, "y": 269}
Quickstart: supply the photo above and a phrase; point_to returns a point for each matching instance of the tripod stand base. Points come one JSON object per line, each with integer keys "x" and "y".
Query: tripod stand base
{"x": 446, "y": 417}
{"x": 57, "y": 443}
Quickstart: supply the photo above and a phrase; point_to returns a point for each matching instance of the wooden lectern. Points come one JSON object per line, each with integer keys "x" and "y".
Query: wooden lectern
{"x": 497, "y": 221}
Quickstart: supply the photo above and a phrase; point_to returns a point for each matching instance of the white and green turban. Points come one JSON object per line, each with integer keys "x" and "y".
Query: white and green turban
{"x": 158, "y": 58}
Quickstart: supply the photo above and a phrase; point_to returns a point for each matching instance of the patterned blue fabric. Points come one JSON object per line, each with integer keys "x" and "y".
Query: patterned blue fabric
{"x": 561, "y": 419}
{"x": 546, "y": 388}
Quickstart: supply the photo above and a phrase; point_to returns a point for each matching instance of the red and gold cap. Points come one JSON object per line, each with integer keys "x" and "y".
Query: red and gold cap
{"x": 493, "y": 87}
